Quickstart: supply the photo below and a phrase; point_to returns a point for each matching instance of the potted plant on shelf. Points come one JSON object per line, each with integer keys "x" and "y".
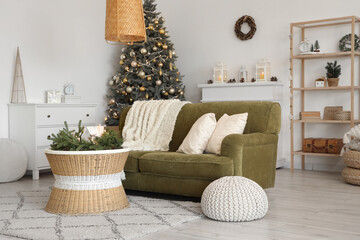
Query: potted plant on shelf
{"x": 333, "y": 73}
{"x": 87, "y": 172}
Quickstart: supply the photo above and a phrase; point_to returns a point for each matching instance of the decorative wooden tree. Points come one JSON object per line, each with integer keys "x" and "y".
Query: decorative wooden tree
{"x": 18, "y": 89}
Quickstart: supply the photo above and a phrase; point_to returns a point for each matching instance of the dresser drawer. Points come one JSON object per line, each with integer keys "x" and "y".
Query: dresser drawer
{"x": 41, "y": 160}
{"x": 72, "y": 115}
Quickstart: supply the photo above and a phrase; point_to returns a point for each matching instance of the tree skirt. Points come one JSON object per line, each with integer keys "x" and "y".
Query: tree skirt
{"x": 22, "y": 216}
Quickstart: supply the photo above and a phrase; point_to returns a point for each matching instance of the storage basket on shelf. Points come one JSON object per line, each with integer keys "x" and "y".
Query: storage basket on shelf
{"x": 351, "y": 173}
{"x": 87, "y": 182}
{"x": 342, "y": 115}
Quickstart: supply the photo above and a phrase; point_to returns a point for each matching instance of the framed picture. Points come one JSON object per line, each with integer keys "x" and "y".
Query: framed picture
{"x": 329, "y": 112}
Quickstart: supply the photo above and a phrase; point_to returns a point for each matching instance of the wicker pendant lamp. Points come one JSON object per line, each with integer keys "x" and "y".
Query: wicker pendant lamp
{"x": 124, "y": 21}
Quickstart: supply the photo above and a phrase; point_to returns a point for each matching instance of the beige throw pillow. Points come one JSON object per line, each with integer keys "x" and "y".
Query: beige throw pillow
{"x": 225, "y": 126}
{"x": 197, "y": 139}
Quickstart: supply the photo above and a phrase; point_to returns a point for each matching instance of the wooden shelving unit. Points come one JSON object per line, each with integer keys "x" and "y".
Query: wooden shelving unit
{"x": 351, "y": 20}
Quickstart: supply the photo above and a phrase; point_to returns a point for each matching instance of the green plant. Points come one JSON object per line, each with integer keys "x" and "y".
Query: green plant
{"x": 333, "y": 70}
{"x": 71, "y": 140}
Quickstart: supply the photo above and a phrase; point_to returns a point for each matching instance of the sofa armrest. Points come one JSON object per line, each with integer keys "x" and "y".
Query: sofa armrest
{"x": 254, "y": 156}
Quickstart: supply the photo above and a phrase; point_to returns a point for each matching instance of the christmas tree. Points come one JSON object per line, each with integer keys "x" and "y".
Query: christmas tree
{"x": 147, "y": 70}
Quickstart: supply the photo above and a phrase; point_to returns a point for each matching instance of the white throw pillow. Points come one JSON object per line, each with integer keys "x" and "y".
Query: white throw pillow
{"x": 225, "y": 126}
{"x": 197, "y": 139}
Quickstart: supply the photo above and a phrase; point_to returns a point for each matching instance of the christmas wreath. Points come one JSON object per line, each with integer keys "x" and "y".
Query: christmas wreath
{"x": 345, "y": 43}
{"x": 251, "y": 22}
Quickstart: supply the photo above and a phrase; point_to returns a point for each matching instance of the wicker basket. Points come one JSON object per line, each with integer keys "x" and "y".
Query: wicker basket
{"x": 342, "y": 115}
{"x": 351, "y": 175}
{"x": 352, "y": 159}
{"x": 87, "y": 182}
{"x": 333, "y": 82}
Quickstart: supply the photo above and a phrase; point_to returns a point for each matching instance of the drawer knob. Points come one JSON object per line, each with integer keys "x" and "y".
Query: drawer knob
{"x": 48, "y": 116}
{"x": 87, "y": 115}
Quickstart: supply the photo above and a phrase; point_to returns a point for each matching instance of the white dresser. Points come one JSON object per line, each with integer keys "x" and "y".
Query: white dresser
{"x": 31, "y": 124}
{"x": 257, "y": 91}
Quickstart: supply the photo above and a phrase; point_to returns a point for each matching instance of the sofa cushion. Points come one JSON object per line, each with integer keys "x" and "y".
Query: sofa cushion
{"x": 132, "y": 162}
{"x": 204, "y": 166}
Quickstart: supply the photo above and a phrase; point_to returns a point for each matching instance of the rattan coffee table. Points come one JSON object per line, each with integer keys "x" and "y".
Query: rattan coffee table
{"x": 87, "y": 182}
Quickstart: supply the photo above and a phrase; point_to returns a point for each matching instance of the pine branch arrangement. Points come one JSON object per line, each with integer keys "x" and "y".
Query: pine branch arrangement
{"x": 333, "y": 70}
{"x": 71, "y": 140}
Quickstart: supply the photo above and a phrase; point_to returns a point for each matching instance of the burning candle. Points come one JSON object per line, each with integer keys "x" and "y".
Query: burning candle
{"x": 99, "y": 130}
{"x": 219, "y": 78}
{"x": 262, "y": 76}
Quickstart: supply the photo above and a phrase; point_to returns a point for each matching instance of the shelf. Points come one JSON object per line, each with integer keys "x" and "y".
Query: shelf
{"x": 325, "y": 55}
{"x": 324, "y": 121}
{"x": 326, "y": 88}
{"x": 316, "y": 154}
{"x": 326, "y": 22}
{"x": 245, "y": 84}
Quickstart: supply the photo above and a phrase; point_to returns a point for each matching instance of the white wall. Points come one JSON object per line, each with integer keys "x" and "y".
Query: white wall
{"x": 203, "y": 34}
{"x": 60, "y": 41}
{"x": 63, "y": 41}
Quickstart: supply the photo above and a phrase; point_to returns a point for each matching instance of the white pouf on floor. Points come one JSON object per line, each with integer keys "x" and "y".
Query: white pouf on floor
{"x": 234, "y": 199}
{"x": 13, "y": 160}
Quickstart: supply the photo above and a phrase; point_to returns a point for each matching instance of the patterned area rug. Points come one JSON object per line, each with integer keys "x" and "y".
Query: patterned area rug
{"x": 22, "y": 216}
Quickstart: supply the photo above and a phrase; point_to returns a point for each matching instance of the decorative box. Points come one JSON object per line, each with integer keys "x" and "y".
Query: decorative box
{"x": 53, "y": 96}
{"x": 323, "y": 145}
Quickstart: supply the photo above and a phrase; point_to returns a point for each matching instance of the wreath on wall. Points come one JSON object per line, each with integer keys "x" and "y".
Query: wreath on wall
{"x": 251, "y": 22}
{"x": 345, "y": 43}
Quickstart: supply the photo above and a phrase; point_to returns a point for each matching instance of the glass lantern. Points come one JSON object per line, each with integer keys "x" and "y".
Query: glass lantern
{"x": 220, "y": 73}
{"x": 305, "y": 46}
{"x": 243, "y": 74}
{"x": 263, "y": 71}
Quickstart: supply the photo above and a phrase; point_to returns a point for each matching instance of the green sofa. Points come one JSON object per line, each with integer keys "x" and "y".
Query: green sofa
{"x": 252, "y": 154}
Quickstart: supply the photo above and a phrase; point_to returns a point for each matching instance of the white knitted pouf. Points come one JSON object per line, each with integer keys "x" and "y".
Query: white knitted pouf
{"x": 234, "y": 199}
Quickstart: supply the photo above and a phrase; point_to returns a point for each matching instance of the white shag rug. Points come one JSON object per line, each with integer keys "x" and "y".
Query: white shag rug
{"x": 22, "y": 216}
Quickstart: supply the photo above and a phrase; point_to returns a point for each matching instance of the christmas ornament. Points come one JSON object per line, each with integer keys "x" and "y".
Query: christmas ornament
{"x": 117, "y": 78}
{"x": 162, "y": 31}
{"x": 123, "y": 49}
{"x": 173, "y": 53}
{"x": 111, "y": 101}
{"x": 156, "y": 21}
{"x": 122, "y": 56}
{"x": 148, "y": 78}
{"x": 177, "y": 79}
{"x": 141, "y": 74}
{"x": 125, "y": 80}
{"x": 165, "y": 46}
{"x": 160, "y": 72}
{"x": 159, "y": 44}
{"x": 127, "y": 68}
{"x": 166, "y": 35}
{"x": 134, "y": 64}
{"x": 129, "y": 89}
{"x": 160, "y": 64}
{"x": 170, "y": 54}
{"x": 158, "y": 82}
{"x": 117, "y": 91}
{"x": 151, "y": 27}
{"x": 170, "y": 66}
{"x": 115, "y": 115}
{"x": 146, "y": 96}
{"x": 123, "y": 92}
{"x": 132, "y": 54}
{"x": 163, "y": 92}
{"x": 162, "y": 19}
{"x": 121, "y": 62}
{"x": 155, "y": 48}
{"x": 172, "y": 91}
{"x": 130, "y": 99}
{"x": 177, "y": 72}
{"x": 142, "y": 89}
{"x": 181, "y": 93}
{"x": 143, "y": 51}
{"x": 111, "y": 82}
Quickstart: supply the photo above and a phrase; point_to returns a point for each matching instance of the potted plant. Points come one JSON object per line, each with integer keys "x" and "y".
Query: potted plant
{"x": 333, "y": 73}
{"x": 87, "y": 171}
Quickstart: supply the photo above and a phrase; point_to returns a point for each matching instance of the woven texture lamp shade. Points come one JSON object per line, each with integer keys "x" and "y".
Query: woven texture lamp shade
{"x": 124, "y": 21}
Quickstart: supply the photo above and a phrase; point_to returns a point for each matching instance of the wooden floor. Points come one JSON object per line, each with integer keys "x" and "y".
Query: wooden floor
{"x": 303, "y": 205}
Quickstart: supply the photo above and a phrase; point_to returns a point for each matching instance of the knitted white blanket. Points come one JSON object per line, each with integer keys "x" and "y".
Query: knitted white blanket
{"x": 149, "y": 125}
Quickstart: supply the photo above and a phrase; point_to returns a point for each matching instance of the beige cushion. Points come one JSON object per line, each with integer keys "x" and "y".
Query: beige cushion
{"x": 196, "y": 140}
{"x": 234, "y": 124}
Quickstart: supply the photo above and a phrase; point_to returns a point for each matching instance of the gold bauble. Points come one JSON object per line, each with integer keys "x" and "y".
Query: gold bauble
{"x": 165, "y": 46}
{"x": 125, "y": 80}
{"x": 142, "y": 89}
{"x": 111, "y": 101}
{"x": 130, "y": 99}
{"x": 146, "y": 96}
{"x": 143, "y": 51}
{"x": 117, "y": 91}
{"x": 155, "y": 48}
{"x": 177, "y": 79}
{"x": 166, "y": 93}
{"x": 162, "y": 31}
{"x": 121, "y": 62}
{"x": 151, "y": 27}
{"x": 162, "y": 19}
{"x": 170, "y": 54}
{"x": 134, "y": 64}
{"x": 148, "y": 78}
{"x": 159, "y": 44}
{"x": 156, "y": 21}
{"x": 171, "y": 91}
{"x": 160, "y": 64}
{"x": 160, "y": 72}
{"x": 177, "y": 72}
{"x": 181, "y": 93}
{"x": 123, "y": 92}
{"x": 154, "y": 60}
{"x": 141, "y": 74}
{"x": 115, "y": 115}
{"x": 127, "y": 68}
{"x": 158, "y": 82}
